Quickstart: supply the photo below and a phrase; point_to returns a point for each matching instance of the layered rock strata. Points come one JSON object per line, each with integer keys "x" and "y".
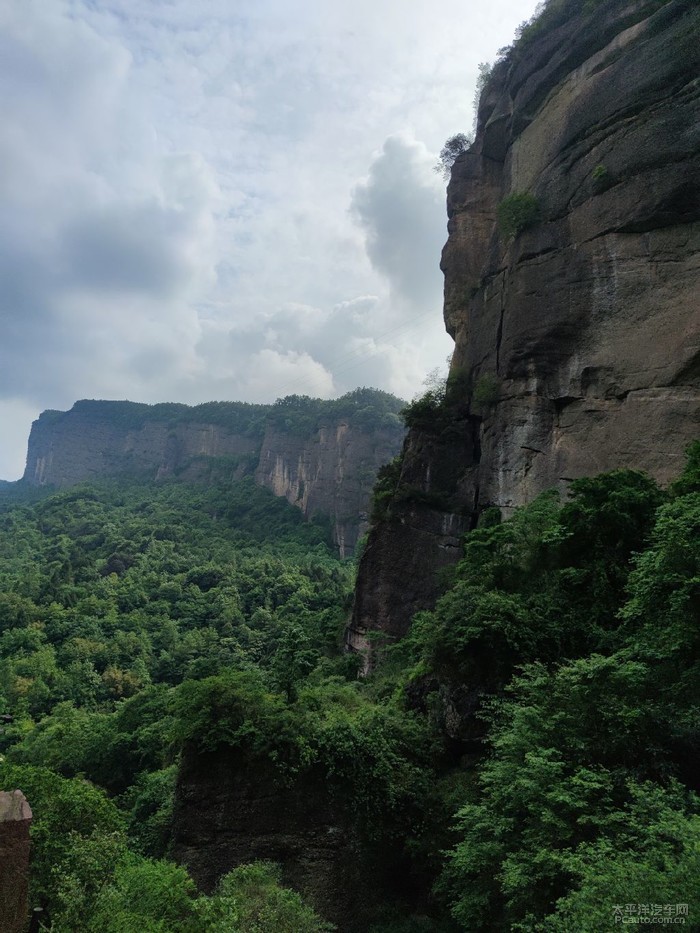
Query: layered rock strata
{"x": 577, "y": 337}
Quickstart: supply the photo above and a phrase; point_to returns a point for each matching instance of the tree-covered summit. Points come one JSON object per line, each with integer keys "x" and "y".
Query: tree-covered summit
{"x": 365, "y": 408}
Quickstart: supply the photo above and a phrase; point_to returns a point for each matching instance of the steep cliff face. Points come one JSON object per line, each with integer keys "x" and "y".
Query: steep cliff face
{"x": 94, "y": 440}
{"x": 15, "y": 820}
{"x": 231, "y": 810}
{"x": 576, "y": 339}
{"x": 331, "y": 472}
{"x": 421, "y": 532}
{"x": 325, "y": 464}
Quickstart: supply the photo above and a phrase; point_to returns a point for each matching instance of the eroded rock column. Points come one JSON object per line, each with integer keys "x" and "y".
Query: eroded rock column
{"x": 15, "y": 820}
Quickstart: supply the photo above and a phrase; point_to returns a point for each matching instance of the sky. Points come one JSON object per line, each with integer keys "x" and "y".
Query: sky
{"x": 217, "y": 200}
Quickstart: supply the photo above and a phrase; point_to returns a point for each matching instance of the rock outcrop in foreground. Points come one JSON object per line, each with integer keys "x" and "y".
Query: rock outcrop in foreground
{"x": 15, "y": 820}
{"x": 576, "y": 339}
{"x": 231, "y": 810}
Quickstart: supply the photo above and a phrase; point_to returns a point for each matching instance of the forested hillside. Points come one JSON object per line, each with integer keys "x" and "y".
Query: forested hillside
{"x": 111, "y": 597}
{"x": 527, "y": 756}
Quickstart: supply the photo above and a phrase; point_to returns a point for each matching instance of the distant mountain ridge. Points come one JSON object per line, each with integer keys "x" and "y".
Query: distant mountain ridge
{"x": 323, "y": 456}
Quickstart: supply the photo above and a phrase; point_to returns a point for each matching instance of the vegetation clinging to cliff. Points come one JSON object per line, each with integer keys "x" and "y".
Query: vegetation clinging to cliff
{"x": 516, "y": 213}
{"x": 550, "y": 15}
{"x": 436, "y": 408}
{"x": 454, "y": 146}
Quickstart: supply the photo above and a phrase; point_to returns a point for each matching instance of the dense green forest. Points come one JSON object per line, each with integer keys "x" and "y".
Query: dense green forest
{"x": 110, "y": 598}
{"x": 531, "y": 750}
{"x": 367, "y": 409}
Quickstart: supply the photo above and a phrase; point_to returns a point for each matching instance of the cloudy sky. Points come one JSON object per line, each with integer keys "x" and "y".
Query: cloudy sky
{"x": 210, "y": 199}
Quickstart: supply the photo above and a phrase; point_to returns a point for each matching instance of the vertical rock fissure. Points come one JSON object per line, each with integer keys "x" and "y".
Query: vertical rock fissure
{"x": 474, "y": 519}
{"x": 475, "y": 423}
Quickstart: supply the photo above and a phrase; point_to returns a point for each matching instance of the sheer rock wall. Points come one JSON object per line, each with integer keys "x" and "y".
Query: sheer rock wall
{"x": 576, "y": 340}
{"x": 90, "y": 443}
{"x": 327, "y": 470}
{"x": 330, "y": 473}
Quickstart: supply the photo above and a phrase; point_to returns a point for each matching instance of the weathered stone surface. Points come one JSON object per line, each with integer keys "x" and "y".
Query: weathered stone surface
{"x": 231, "y": 810}
{"x": 331, "y": 473}
{"x": 587, "y": 324}
{"x": 590, "y": 320}
{"x": 15, "y": 820}
{"x": 401, "y": 566}
{"x": 399, "y": 552}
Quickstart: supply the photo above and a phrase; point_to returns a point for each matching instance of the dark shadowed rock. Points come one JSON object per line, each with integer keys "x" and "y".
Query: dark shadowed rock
{"x": 15, "y": 820}
{"x": 231, "y": 810}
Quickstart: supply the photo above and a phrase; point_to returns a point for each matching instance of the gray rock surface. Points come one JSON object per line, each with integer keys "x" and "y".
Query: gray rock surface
{"x": 584, "y": 327}
{"x": 96, "y": 440}
{"x": 330, "y": 473}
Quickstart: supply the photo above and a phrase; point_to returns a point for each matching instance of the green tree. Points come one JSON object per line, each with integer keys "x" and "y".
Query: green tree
{"x": 453, "y": 147}
{"x": 145, "y": 895}
{"x": 251, "y": 898}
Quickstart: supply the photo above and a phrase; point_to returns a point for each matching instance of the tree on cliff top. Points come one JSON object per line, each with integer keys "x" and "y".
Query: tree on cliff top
{"x": 453, "y": 147}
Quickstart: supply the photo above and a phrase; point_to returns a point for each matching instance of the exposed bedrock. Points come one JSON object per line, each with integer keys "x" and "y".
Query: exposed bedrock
{"x": 330, "y": 472}
{"x": 232, "y": 810}
{"x": 577, "y": 339}
{"x": 15, "y": 820}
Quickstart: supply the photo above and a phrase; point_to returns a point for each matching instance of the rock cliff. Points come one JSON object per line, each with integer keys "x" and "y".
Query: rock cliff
{"x": 331, "y": 472}
{"x": 15, "y": 820}
{"x": 231, "y": 810}
{"x": 98, "y": 439}
{"x": 571, "y": 287}
{"x": 322, "y": 456}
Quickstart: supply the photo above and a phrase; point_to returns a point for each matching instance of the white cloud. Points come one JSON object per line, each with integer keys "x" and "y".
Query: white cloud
{"x": 400, "y": 206}
{"x": 16, "y": 417}
{"x": 269, "y": 369}
{"x": 176, "y": 181}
